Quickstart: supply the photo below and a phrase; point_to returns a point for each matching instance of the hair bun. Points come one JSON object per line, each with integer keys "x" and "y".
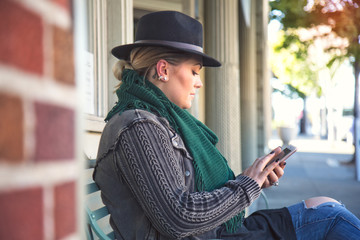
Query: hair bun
{"x": 119, "y": 67}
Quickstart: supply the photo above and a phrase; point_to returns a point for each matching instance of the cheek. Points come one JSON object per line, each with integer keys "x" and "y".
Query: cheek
{"x": 187, "y": 82}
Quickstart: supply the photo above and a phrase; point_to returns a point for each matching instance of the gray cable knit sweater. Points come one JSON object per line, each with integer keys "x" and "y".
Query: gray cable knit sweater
{"x": 147, "y": 180}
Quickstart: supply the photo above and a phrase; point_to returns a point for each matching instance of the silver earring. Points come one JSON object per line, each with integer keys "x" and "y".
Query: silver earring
{"x": 162, "y": 77}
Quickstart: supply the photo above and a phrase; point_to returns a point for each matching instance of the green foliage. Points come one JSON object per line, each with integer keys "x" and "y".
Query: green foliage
{"x": 298, "y": 70}
{"x": 290, "y": 13}
{"x": 343, "y": 16}
{"x": 290, "y": 92}
{"x": 291, "y": 64}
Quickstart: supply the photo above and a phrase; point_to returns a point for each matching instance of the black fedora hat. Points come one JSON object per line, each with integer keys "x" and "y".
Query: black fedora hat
{"x": 168, "y": 29}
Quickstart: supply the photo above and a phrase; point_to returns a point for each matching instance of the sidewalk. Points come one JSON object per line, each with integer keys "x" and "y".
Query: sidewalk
{"x": 317, "y": 169}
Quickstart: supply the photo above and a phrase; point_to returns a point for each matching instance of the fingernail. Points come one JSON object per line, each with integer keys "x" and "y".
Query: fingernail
{"x": 272, "y": 152}
{"x": 277, "y": 160}
{"x": 284, "y": 163}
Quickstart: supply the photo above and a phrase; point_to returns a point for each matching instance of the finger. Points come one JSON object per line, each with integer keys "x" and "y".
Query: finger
{"x": 266, "y": 183}
{"x": 276, "y": 151}
{"x": 267, "y": 158}
{"x": 283, "y": 164}
{"x": 270, "y": 168}
{"x": 279, "y": 171}
{"x": 272, "y": 177}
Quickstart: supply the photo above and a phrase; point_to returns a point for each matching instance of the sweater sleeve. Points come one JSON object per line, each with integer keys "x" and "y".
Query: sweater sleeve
{"x": 148, "y": 163}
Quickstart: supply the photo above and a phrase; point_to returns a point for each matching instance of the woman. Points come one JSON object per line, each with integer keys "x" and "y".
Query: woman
{"x": 158, "y": 169}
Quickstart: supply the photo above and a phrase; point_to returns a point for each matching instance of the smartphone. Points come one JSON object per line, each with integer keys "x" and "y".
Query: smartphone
{"x": 286, "y": 152}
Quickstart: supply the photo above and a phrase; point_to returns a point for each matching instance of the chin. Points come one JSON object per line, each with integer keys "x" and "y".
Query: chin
{"x": 187, "y": 106}
{"x": 184, "y": 104}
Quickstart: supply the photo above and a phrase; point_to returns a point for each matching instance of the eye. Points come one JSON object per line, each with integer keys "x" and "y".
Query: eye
{"x": 194, "y": 73}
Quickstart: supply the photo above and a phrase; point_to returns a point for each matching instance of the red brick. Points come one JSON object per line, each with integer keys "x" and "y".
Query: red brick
{"x": 66, "y": 4}
{"x": 21, "y": 37}
{"x": 55, "y": 137}
{"x": 11, "y": 129}
{"x": 65, "y": 210}
{"x": 21, "y": 214}
{"x": 64, "y": 56}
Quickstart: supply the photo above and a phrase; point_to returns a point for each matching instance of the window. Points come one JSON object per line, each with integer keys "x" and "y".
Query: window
{"x": 108, "y": 24}
{"x": 106, "y": 27}
{"x": 96, "y": 60}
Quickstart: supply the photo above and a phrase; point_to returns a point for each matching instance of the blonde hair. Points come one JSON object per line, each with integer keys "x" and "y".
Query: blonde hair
{"x": 142, "y": 59}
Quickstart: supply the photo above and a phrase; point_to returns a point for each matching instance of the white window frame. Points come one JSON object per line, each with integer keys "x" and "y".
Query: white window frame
{"x": 111, "y": 25}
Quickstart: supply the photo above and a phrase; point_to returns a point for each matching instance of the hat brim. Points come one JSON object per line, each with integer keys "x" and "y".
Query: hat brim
{"x": 123, "y": 52}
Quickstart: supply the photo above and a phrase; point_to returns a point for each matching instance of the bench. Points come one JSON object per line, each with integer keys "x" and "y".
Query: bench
{"x": 97, "y": 215}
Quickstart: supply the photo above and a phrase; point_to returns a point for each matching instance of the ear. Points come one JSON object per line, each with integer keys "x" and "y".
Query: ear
{"x": 162, "y": 69}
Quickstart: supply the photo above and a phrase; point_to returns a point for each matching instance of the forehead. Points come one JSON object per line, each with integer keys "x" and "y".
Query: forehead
{"x": 194, "y": 61}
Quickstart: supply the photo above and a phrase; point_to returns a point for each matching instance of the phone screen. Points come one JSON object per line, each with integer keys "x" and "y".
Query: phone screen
{"x": 284, "y": 154}
{"x": 287, "y": 152}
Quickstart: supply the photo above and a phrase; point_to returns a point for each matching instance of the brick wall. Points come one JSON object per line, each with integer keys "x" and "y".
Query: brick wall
{"x": 38, "y": 166}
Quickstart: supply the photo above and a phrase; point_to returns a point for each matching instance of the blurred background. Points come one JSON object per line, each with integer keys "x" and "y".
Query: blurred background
{"x": 315, "y": 62}
{"x": 315, "y": 67}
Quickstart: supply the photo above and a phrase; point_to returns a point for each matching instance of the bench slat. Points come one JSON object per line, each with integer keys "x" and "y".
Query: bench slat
{"x": 111, "y": 235}
{"x": 100, "y": 213}
{"x": 92, "y": 226}
{"x": 91, "y": 188}
{"x": 95, "y": 227}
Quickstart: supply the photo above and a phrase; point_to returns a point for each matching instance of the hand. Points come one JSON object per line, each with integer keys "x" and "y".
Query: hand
{"x": 266, "y": 176}
{"x": 274, "y": 175}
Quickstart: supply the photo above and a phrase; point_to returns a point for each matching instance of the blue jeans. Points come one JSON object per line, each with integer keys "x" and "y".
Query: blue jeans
{"x": 327, "y": 221}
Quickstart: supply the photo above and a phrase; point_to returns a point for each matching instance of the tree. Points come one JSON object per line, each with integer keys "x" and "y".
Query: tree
{"x": 291, "y": 64}
{"x": 343, "y": 17}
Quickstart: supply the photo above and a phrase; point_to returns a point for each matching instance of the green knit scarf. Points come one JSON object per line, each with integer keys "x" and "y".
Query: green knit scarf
{"x": 211, "y": 168}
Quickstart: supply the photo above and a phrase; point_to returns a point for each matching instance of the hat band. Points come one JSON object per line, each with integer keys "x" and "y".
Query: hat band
{"x": 174, "y": 44}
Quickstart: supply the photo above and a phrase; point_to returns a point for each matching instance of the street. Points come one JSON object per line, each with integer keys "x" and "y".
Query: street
{"x": 319, "y": 168}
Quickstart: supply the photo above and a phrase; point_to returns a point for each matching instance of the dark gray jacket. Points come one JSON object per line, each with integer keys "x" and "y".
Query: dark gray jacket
{"x": 146, "y": 177}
